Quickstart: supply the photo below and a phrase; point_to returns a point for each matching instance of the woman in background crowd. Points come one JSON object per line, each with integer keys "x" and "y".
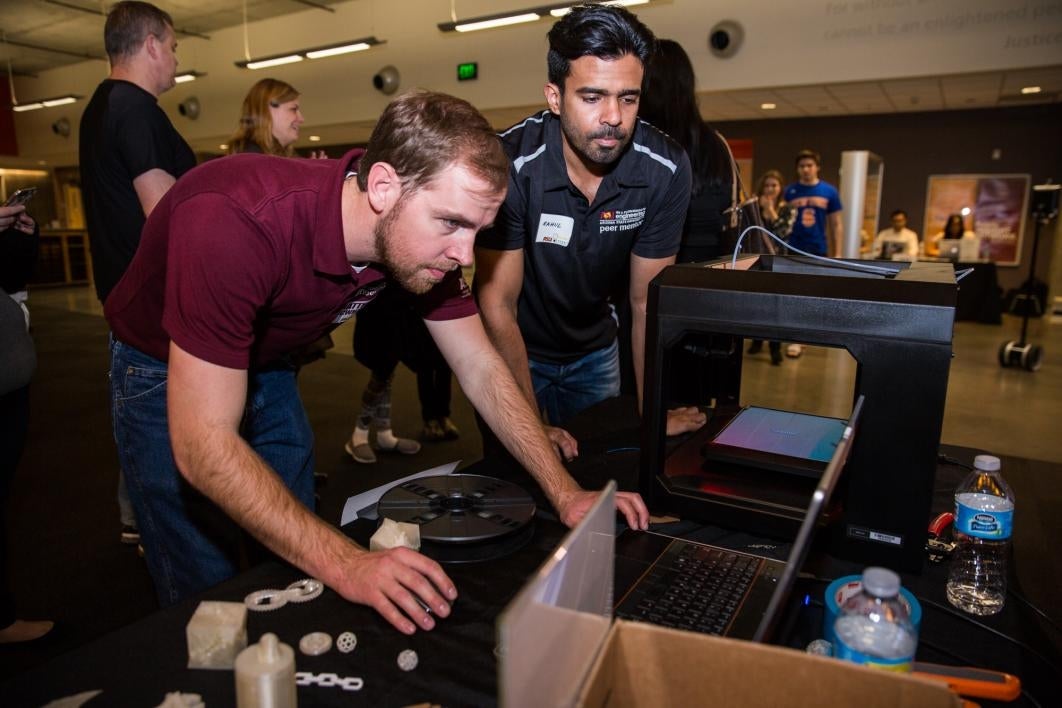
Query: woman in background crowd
{"x": 669, "y": 102}
{"x": 778, "y": 218}
{"x": 269, "y": 120}
{"x": 954, "y": 227}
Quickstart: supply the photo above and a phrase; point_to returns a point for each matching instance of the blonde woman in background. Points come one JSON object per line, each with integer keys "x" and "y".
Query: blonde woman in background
{"x": 269, "y": 120}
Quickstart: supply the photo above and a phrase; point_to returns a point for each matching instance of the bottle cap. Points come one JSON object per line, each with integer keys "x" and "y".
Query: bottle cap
{"x": 881, "y": 582}
{"x": 988, "y": 463}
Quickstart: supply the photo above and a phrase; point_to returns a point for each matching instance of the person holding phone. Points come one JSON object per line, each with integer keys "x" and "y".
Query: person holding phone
{"x": 18, "y": 254}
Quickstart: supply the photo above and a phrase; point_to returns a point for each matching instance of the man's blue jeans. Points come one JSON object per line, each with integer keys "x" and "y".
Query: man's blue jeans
{"x": 562, "y": 390}
{"x": 190, "y": 544}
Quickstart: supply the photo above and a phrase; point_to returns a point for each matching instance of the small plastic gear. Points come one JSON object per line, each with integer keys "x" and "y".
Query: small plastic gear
{"x": 346, "y": 642}
{"x": 304, "y": 590}
{"x": 266, "y": 600}
{"x": 407, "y": 660}
{"x": 315, "y": 643}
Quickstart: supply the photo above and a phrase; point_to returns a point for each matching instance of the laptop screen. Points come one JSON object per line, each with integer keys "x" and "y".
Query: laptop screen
{"x": 802, "y": 543}
{"x": 550, "y": 633}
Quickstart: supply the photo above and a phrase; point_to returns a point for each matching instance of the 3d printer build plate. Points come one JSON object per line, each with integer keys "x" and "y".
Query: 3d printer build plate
{"x": 783, "y": 441}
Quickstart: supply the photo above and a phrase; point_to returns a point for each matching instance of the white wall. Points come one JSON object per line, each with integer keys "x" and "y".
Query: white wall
{"x": 787, "y": 43}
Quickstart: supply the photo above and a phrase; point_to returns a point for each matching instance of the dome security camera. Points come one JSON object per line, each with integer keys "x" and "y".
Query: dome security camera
{"x": 724, "y": 40}
{"x": 189, "y": 108}
{"x": 61, "y": 127}
{"x": 386, "y": 80}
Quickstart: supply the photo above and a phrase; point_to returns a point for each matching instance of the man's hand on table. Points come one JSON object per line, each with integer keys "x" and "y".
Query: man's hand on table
{"x": 573, "y": 506}
{"x": 391, "y": 581}
{"x": 563, "y": 442}
{"x": 685, "y": 420}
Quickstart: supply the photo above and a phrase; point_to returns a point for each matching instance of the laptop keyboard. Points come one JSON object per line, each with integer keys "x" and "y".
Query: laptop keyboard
{"x": 692, "y": 587}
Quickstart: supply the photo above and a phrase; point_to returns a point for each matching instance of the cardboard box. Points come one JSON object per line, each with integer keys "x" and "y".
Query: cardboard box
{"x": 645, "y": 665}
{"x": 558, "y": 646}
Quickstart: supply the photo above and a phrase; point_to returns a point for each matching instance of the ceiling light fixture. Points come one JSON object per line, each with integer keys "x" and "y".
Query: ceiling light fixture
{"x": 330, "y": 50}
{"x": 562, "y": 11}
{"x": 186, "y": 76}
{"x": 1031, "y": 89}
{"x": 768, "y": 106}
{"x": 315, "y": 138}
{"x": 515, "y": 17}
{"x": 45, "y": 103}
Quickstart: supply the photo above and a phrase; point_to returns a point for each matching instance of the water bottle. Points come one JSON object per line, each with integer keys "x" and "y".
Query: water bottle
{"x": 984, "y": 514}
{"x": 873, "y": 627}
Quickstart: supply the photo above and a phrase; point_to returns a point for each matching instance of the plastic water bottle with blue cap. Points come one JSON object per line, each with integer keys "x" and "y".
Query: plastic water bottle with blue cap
{"x": 874, "y": 627}
{"x": 984, "y": 519}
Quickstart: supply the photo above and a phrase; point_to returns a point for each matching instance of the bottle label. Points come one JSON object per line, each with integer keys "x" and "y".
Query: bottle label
{"x": 843, "y": 651}
{"x": 993, "y": 525}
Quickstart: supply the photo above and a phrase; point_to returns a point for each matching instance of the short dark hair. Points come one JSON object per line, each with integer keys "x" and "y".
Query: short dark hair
{"x": 422, "y": 132}
{"x": 898, "y": 211}
{"x": 602, "y": 31}
{"x": 808, "y": 155}
{"x": 129, "y": 23}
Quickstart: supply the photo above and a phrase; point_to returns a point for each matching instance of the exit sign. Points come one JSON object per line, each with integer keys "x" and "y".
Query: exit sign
{"x": 467, "y": 71}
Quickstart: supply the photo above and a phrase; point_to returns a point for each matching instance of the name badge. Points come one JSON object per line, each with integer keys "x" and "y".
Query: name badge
{"x": 554, "y": 228}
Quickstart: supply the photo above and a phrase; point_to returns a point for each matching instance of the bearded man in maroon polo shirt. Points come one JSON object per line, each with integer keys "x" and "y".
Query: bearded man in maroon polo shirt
{"x": 250, "y": 257}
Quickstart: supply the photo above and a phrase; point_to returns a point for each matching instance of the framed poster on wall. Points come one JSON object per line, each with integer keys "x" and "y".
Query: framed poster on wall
{"x": 993, "y": 207}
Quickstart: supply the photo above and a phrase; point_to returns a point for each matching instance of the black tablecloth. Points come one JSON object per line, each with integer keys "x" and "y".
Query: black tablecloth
{"x": 137, "y": 665}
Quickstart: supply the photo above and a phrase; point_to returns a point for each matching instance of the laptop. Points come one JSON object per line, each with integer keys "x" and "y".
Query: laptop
{"x": 564, "y": 611}
{"x": 891, "y": 249}
{"x": 950, "y": 248}
{"x": 703, "y": 588}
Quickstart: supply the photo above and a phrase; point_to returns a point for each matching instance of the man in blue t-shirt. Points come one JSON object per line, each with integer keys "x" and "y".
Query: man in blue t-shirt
{"x": 817, "y": 228}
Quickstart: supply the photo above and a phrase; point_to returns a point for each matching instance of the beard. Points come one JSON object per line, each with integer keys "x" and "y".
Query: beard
{"x": 584, "y": 146}
{"x": 393, "y": 256}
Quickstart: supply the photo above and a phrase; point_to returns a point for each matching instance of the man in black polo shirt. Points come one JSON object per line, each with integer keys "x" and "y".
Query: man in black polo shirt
{"x": 130, "y": 153}
{"x": 595, "y": 198}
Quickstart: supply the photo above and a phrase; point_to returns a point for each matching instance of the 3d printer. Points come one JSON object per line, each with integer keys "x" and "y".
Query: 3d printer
{"x": 896, "y": 322}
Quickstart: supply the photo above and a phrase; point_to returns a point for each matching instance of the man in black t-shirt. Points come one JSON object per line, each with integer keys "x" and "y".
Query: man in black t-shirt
{"x": 130, "y": 153}
{"x": 596, "y": 200}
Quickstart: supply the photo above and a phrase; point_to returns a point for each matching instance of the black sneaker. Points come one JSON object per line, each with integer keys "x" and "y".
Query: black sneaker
{"x": 130, "y": 536}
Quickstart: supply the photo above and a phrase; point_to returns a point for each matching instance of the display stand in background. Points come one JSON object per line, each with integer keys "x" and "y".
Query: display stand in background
{"x": 862, "y": 173}
{"x": 1021, "y": 353}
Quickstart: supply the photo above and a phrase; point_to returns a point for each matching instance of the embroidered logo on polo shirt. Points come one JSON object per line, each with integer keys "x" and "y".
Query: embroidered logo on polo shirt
{"x": 360, "y": 299}
{"x": 621, "y": 220}
{"x": 555, "y": 229}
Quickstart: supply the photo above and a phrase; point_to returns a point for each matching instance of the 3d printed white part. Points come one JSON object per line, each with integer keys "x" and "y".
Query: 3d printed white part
{"x": 216, "y": 633}
{"x": 393, "y": 534}
{"x": 315, "y": 643}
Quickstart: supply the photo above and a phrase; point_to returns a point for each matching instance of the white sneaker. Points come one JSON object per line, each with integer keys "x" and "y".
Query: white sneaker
{"x": 794, "y": 350}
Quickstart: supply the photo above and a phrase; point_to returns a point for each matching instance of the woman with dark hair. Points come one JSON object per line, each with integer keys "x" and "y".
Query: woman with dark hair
{"x": 954, "y": 227}
{"x": 269, "y": 120}
{"x": 669, "y": 102}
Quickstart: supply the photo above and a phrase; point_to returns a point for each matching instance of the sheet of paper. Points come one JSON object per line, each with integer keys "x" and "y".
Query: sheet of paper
{"x": 363, "y": 506}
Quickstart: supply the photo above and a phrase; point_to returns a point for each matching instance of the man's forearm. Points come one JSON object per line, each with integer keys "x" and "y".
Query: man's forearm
{"x": 503, "y": 406}
{"x": 221, "y": 465}
{"x": 504, "y": 334}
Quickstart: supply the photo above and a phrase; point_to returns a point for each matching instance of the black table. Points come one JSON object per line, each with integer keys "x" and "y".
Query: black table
{"x": 138, "y": 664}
